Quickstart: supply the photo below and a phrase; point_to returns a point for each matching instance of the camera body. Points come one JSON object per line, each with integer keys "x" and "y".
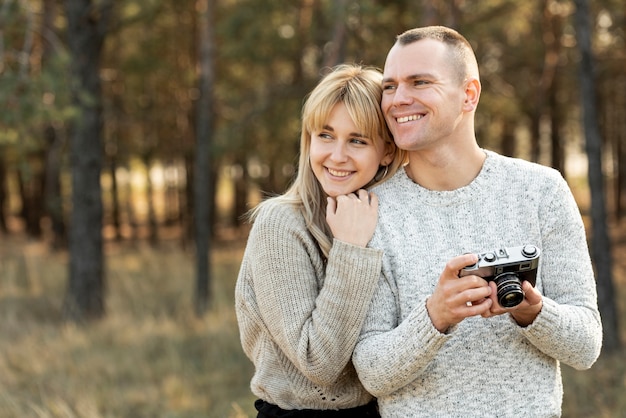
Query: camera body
{"x": 508, "y": 268}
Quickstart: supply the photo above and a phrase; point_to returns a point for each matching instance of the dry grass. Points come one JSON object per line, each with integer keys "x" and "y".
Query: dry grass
{"x": 150, "y": 357}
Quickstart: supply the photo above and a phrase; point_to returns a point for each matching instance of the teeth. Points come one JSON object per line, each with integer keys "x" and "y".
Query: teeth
{"x": 409, "y": 118}
{"x": 338, "y": 173}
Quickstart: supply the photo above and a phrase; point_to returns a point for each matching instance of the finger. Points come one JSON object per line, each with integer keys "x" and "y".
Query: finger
{"x": 487, "y": 304}
{"x": 532, "y": 295}
{"x": 496, "y": 309}
{"x": 331, "y": 206}
{"x": 476, "y": 295}
{"x": 480, "y": 307}
{"x": 456, "y": 264}
{"x": 363, "y": 195}
{"x": 373, "y": 200}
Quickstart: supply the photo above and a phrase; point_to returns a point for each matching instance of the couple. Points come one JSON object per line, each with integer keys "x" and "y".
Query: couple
{"x": 351, "y": 306}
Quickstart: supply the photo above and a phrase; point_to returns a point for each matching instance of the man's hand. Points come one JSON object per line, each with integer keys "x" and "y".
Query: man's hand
{"x": 456, "y": 298}
{"x": 524, "y": 313}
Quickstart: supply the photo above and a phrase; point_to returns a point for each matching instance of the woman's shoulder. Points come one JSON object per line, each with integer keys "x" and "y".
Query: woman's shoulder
{"x": 278, "y": 228}
{"x": 278, "y": 214}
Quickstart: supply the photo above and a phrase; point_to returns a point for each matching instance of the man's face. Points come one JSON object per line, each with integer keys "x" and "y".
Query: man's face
{"x": 422, "y": 97}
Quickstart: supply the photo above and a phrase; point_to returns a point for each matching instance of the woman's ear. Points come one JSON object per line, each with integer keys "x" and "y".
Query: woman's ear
{"x": 472, "y": 94}
{"x": 390, "y": 149}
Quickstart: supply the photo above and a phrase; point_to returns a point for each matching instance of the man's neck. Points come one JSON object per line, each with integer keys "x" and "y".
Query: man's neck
{"x": 444, "y": 169}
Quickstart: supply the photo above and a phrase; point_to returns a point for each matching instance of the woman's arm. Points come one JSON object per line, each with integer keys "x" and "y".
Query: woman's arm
{"x": 313, "y": 311}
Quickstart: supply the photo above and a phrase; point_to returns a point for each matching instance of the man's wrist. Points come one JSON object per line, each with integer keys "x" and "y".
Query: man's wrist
{"x": 441, "y": 326}
{"x": 524, "y": 319}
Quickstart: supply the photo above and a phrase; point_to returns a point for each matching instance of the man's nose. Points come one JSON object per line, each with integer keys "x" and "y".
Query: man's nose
{"x": 401, "y": 95}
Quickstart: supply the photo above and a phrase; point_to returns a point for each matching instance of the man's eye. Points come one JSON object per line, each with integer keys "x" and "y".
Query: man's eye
{"x": 389, "y": 87}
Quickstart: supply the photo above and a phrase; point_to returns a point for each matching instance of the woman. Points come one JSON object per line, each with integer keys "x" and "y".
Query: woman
{"x": 307, "y": 278}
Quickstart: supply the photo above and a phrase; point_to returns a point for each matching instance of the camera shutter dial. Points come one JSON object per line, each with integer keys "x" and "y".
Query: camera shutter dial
{"x": 489, "y": 257}
{"x": 529, "y": 251}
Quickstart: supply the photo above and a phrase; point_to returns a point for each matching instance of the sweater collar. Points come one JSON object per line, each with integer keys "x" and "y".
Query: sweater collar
{"x": 474, "y": 190}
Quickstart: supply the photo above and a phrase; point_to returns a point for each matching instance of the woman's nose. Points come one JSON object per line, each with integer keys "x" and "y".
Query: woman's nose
{"x": 339, "y": 152}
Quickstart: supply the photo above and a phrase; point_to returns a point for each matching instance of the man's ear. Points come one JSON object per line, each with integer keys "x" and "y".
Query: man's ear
{"x": 472, "y": 94}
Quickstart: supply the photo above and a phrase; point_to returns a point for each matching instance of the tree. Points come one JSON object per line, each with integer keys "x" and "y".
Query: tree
{"x": 87, "y": 22}
{"x": 3, "y": 197}
{"x": 53, "y": 140}
{"x": 202, "y": 175}
{"x": 600, "y": 241}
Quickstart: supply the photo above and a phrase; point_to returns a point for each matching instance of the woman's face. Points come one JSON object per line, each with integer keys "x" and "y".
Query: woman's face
{"x": 342, "y": 158}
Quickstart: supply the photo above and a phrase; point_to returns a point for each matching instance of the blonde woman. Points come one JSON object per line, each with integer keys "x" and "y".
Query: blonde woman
{"x": 307, "y": 277}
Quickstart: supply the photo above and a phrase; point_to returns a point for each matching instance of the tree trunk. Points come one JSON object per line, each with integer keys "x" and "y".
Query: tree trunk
{"x": 87, "y": 21}
{"x": 552, "y": 36}
{"x": 3, "y": 196}
{"x": 551, "y": 29}
{"x": 131, "y": 215}
{"x": 54, "y": 142}
{"x": 337, "y": 51}
{"x": 620, "y": 157}
{"x": 600, "y": 242}
{"x": 31, "y": 185}
{"x": 509, "y": 141}
{"x": 202, "y": 177}
{"x": 52, "y": 187}
{"x": 613, "y": 108}
{"x": 188, "y": 197}
{"x": 171, "y": 195}
{"x": 556, "y": 121}
{"x": 429, "y": 15}
{"x": 115, "y": 199}
{"x": 153, "y": 234}
{"x": 240, "y": 184}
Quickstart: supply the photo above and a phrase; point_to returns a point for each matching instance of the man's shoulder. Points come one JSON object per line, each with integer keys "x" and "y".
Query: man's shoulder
{"x": 520, "y": 167}
{"x": 392, "y": 185}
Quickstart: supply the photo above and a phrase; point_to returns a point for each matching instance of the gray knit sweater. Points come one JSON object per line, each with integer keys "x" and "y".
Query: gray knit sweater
{"x": 480, "y": 367}
{"x": 300, "y": 316}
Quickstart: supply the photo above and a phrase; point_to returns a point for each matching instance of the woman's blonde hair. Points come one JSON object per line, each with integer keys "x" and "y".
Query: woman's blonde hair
{"x": 359, "y": 88}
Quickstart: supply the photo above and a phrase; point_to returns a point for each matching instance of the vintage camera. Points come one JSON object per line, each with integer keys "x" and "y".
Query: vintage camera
{"x": 508, "y": 268}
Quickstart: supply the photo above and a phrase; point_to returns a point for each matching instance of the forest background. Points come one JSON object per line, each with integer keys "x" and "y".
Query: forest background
{"x": 134, "y": 135}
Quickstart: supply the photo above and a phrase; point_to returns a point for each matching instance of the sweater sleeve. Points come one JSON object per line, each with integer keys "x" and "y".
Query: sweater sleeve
{"x": 313, "y": 312}
{"x": 389, "y": 355}
{"x": 568, "y": 328}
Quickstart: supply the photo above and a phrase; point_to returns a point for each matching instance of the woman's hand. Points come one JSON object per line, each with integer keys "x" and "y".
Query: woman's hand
{"x": 352, "y": 218}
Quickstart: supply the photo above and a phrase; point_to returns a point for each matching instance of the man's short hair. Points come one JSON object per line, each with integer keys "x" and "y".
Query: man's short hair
{"x": 461, "y": 51}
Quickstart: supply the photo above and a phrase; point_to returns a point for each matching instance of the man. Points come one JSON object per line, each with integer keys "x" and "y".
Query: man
{"x": 436, "y": 341}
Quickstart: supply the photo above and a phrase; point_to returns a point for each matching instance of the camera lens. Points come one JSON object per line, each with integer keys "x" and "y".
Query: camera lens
{"x": 510, "y": 291}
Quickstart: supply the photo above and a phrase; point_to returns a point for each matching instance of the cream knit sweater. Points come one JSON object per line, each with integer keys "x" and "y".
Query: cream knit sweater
{"x": 481, "y": 367}
{"x": 300, "y": 316}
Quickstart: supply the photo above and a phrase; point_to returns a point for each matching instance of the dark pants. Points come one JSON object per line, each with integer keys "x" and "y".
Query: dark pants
{"x": 268, "y": 410}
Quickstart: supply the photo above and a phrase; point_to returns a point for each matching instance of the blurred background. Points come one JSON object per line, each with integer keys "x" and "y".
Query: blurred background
{"x": 134, "y": 134}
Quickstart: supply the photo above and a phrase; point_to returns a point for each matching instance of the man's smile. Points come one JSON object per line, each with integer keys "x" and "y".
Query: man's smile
{"x": 409, "y": 118}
